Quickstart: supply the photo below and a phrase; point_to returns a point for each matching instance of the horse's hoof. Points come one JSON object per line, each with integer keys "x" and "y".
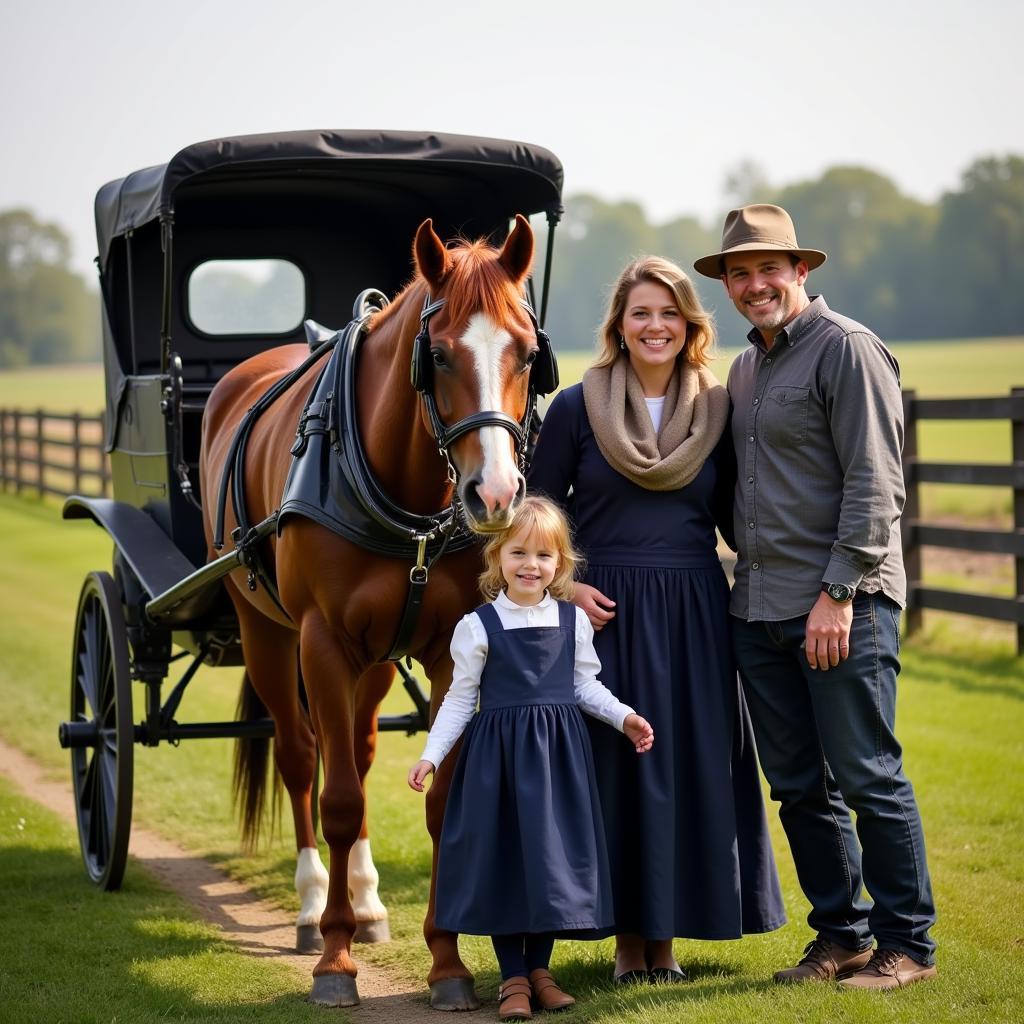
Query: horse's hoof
{"x": 372, "y": 931}
{"x": 308, "y": 939}
{"x": 334, "y": 990}
{"x": 454, "y": 994}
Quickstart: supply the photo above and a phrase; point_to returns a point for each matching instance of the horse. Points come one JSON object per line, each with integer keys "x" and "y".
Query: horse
{"x": 463, "y": 326}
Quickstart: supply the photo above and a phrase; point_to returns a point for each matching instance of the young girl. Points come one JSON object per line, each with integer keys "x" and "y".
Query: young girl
{"x": 522, "y": 855}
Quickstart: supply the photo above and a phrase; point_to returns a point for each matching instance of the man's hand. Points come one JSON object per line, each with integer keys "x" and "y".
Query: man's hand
{"x": 828, "y": 632}
{"x": 598, "y": 608}
{"x": 639, "y": 732}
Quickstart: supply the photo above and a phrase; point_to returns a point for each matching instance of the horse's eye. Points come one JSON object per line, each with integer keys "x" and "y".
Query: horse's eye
{"x": 438, "y": 356}
{"x": 530, "y": 360}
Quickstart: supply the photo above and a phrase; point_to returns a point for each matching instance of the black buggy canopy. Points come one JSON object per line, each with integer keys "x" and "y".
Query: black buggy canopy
{"x": 342, "y": 204}
{"x": 514, "y": 177}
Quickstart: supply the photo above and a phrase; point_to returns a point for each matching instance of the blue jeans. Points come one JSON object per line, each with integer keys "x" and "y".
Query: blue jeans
{"x": 827, "y": 747}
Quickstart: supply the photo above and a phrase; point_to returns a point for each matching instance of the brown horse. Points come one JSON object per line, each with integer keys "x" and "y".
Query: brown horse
{"x": 342, "y": 604}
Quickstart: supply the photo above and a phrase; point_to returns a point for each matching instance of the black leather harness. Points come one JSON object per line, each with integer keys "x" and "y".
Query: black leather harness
{"x": 331, "y": 482}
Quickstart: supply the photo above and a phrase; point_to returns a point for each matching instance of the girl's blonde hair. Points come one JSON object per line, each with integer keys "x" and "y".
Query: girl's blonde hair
{"x": 544, "y": 516}
{"x": 700, "y": 325}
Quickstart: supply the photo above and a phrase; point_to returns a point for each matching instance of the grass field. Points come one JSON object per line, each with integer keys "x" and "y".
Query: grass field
{"x": 140, "y": 955}
{"x": 960, "y": 718}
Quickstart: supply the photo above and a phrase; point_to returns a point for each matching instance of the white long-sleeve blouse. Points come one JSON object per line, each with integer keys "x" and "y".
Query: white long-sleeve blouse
{"x": 469, "y": 652}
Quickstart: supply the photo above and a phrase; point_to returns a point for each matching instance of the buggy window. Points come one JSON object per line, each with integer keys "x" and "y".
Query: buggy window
{"x": 246, "y": 297}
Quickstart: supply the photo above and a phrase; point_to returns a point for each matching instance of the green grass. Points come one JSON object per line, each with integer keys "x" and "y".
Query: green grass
{"x": 71, "y": 953}
{"x": 960, "y": 717}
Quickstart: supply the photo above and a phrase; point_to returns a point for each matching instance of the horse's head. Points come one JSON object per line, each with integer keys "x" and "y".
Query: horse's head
{"x": 478, "y": 361}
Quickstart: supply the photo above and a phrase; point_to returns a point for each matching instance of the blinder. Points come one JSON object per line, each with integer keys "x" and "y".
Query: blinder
{"x": 543, "y": 372}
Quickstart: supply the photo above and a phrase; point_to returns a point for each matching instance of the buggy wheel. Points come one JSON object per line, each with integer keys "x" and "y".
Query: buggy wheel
{"x": 101, "y": 711}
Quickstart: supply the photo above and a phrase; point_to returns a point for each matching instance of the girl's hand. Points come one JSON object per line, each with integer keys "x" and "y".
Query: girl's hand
{"x": 418, "y": 773}
{"x": 639, "y": 732}
{"x": 598, "y": 608}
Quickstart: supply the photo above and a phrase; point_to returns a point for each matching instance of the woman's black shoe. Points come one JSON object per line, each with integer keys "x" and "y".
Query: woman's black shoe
{"x": 632, "y": 978}
{"x": 665, "y": 976}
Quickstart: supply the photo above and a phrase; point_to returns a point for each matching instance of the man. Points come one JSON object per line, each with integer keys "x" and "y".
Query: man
{"x": 818, "y": 429}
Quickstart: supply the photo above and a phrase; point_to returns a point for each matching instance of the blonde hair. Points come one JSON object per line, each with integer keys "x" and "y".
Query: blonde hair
{"x": 544, "y": 516}
{"x": 700, "y": 325}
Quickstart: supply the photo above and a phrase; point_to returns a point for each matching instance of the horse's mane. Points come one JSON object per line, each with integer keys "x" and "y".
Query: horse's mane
{"x": 475, "y": 282}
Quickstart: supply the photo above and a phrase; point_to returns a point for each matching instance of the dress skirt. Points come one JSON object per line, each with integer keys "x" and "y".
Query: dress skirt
{"x": 685, "y": 824}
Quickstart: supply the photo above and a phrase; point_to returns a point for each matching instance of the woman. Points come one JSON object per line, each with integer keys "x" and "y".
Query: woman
{"x": 636, "y": 455}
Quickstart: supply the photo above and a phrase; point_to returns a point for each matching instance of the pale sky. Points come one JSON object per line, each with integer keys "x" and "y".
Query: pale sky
{"x": 652, "y": 101}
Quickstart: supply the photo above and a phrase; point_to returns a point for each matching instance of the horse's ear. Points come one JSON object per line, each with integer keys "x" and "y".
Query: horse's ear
{"x": 517, "y": 253}
{"x": 431, "y": 255}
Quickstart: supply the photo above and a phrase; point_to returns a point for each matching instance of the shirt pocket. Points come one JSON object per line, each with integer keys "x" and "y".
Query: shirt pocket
{"x": 785, "y": 416}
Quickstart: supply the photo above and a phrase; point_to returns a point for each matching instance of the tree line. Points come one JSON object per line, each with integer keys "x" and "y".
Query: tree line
{"x": 907, "y": 269}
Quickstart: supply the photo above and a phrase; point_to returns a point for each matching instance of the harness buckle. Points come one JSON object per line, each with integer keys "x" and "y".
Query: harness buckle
{"x": 419, "y": 572}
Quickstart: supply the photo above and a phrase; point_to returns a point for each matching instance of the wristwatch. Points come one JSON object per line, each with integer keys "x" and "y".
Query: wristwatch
{"x": 838, "y": 591}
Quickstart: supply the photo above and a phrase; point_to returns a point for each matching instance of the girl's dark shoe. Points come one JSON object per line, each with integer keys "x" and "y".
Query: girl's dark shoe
{"x": 514, "y": 999}
{"x": 546, "y": 993}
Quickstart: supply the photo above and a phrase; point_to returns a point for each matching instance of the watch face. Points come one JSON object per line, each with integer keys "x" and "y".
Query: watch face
{"x": 840, "y": 592}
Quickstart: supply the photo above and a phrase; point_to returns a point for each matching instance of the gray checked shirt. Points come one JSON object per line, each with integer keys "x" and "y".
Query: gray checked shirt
{"x": 817, "y": 423}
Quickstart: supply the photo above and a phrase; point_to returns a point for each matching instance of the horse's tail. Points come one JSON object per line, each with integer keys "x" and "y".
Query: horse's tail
{"x": 252, "y": 761}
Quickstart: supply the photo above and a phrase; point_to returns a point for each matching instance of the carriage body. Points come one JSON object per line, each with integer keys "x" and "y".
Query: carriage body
{"x": 334, "y": 212}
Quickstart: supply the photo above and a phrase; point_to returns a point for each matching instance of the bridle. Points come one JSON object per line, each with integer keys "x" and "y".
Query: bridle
{"x": 444, "y": 435}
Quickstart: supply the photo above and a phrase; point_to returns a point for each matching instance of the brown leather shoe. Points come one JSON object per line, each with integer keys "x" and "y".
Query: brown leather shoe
{"x": 514, "y": 999}
{"x": 823, "y": 960}
{"x": 546, "y": 993}
{"x": 888, "y": 969}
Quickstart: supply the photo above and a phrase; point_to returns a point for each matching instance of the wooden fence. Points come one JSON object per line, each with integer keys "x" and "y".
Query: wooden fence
{"x": 50, "y": 453}
{"x": 918, "y": 534}
{"x": 53, "y": 453}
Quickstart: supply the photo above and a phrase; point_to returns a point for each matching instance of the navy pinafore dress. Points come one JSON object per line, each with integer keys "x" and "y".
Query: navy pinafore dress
{"x": 522, "y": 845}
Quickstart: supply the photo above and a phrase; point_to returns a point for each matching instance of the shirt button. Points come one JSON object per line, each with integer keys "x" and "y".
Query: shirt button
{"x": 750, "y": 525}
{"x": 755, "y": 565}
{"x": 768, "y": 361}
{"x": 750, "y": 479}
{"x": 751, "y": 438}
{"x": 756, "y": 400}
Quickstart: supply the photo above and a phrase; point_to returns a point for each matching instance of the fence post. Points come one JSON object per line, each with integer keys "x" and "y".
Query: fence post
{"x": 76, "y": 450}
{"x": 3, "y": 449}
{"x": 40, "y": 459}
{"x": 911, "y": 513}
{"x": 17, "y": 451}
{"x": 1017, "y": 424}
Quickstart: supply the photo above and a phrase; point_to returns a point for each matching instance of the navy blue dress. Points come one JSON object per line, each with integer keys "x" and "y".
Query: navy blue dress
{"x": 522, "y": 845}
{"x": 687, "y": 837}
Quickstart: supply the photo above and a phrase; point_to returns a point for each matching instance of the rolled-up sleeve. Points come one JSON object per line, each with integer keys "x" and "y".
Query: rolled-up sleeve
{"x": 866, "y": 416}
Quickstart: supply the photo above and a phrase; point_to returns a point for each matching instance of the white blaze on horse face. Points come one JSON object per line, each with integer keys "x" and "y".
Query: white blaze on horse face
{"x": 500, "y": 478}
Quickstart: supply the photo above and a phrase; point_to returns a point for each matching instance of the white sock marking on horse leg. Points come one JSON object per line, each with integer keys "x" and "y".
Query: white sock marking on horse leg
{"x": 311, "y": 880}
{"x": 362, "y": 884}
{"x": 499, "y": 473}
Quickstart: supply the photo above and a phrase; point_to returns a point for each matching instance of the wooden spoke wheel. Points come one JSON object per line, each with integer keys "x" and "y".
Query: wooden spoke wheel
{"x": 101, "y": 720}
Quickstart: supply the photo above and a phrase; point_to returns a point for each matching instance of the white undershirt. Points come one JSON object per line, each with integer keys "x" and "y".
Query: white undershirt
{"x": 469, "y": 652}
{"x": 656, "y": 406}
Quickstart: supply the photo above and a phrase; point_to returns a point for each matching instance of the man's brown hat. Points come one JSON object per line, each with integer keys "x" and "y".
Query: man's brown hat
{"x": 753, "y": 228}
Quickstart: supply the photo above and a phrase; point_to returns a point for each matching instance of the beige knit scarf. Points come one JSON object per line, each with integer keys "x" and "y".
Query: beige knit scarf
{"x": 695, "y": 414}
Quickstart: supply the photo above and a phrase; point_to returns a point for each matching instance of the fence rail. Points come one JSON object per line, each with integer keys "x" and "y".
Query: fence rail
{"x": 53, "y": 453}
{"x": 61, "y": 454}
{"x": 918, "y": 534}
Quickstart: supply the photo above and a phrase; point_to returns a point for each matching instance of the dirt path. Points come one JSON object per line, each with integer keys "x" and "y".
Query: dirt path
{"x": 255, "y": 926}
